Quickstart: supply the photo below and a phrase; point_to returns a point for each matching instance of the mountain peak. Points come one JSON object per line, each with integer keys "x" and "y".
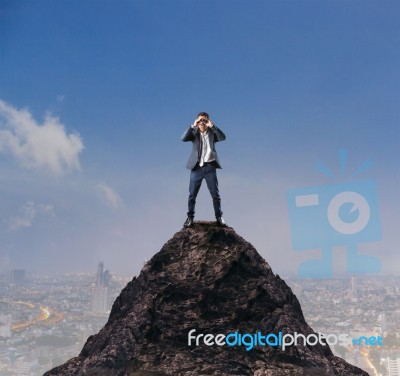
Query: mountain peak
{"x": 205, "y": 280}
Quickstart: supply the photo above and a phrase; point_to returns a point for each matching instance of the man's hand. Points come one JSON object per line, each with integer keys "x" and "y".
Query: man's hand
{"x": 207, "y": 122}
{"x": 195, "y": 124}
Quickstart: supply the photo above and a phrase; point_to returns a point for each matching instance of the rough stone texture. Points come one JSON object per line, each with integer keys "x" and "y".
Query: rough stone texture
{"x": 210, "y": 279}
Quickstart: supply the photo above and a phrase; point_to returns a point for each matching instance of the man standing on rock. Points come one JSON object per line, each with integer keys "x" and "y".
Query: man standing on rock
{"x": 203, "y": 162}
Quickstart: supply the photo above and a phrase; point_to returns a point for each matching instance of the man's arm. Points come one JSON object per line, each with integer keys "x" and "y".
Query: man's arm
{"x": 189, "y": 134}
{"x": 219, "y": 135}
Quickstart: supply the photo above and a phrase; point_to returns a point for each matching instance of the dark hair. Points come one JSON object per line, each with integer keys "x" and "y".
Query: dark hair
{"x": 203, "y": 114}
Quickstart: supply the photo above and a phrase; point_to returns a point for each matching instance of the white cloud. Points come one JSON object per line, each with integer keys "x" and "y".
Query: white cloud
{"x": 38, "y": 146}
{"x": 109, "y": 195}
{"x": 60, "y": 98}
{"x": 28, "y": 213}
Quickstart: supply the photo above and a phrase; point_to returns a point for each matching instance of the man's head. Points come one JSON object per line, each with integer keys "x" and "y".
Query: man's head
{"x": 203, "y": 114}
{"x": 202, "y": 121}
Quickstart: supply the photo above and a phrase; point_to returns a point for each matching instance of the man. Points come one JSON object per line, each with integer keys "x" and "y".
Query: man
{"x": 203, "y": 163}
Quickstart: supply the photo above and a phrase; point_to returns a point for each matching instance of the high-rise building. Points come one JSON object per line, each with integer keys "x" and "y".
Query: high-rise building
{"x": 354, "y": 287}
{"x": 106, "y": 278}
{"x": 5, "y": 326}
{"x": 17, "y": 276}
{"x": 382, "y": 323}
{"x": 393, "y": 366}
{"x": 99, "y": 303}
{"x": 100, "y": 296}
{"x": 99, "y": 274}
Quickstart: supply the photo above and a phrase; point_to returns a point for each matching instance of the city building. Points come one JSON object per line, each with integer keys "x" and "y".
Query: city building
{"x": 5, "y": 326}
{"x": 17, "y": 276}
{"x": 100, "y": 294}
{"x": 393, "y": 366}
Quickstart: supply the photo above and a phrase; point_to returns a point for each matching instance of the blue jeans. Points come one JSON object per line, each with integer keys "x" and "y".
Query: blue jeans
{"x": 197, "y": 174}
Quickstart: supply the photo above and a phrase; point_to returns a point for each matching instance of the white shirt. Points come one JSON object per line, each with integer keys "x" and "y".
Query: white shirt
{"x": 206, "y": 150}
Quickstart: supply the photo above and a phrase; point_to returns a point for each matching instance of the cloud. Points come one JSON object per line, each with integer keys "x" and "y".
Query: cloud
{"x": 109, "y": 195}
{"x": 28, "y": 213}
{"x": 44, "y": 146}
{"x": 60, "y": 98}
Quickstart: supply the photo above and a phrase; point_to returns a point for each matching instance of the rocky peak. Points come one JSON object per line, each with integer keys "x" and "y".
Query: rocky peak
{"x": 210, "y": 279}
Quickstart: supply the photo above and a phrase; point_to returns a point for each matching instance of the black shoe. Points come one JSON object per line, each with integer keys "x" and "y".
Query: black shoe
{"x": 221, "y": 221}
{"x": 188, "y": 222}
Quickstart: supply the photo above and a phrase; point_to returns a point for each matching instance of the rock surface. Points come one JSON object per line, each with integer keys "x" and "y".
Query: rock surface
{"x": 210, "y": 279}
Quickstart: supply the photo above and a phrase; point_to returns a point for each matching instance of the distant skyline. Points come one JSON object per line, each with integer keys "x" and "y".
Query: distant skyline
{"x": 95, "y": 95}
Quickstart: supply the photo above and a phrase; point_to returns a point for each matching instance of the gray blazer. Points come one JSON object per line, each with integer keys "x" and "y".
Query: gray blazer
{"x": 193, "y": 134}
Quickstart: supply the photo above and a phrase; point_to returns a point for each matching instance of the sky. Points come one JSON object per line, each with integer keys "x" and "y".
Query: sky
{"x": 95, "y": 95}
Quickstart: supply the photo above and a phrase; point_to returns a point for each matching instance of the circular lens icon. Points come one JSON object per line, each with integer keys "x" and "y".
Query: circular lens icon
{"x": 358, "y": 203}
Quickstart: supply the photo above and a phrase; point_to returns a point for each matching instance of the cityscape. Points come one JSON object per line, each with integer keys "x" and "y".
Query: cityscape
{"x": 45, "y": 320}
{"x": 360, "y": 307}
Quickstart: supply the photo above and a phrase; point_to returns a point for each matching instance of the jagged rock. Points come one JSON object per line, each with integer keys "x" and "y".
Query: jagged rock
{"x": 210, "y": 279}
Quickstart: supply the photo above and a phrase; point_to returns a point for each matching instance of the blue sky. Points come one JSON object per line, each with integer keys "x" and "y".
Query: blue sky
{"x": 96, "y": 94}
